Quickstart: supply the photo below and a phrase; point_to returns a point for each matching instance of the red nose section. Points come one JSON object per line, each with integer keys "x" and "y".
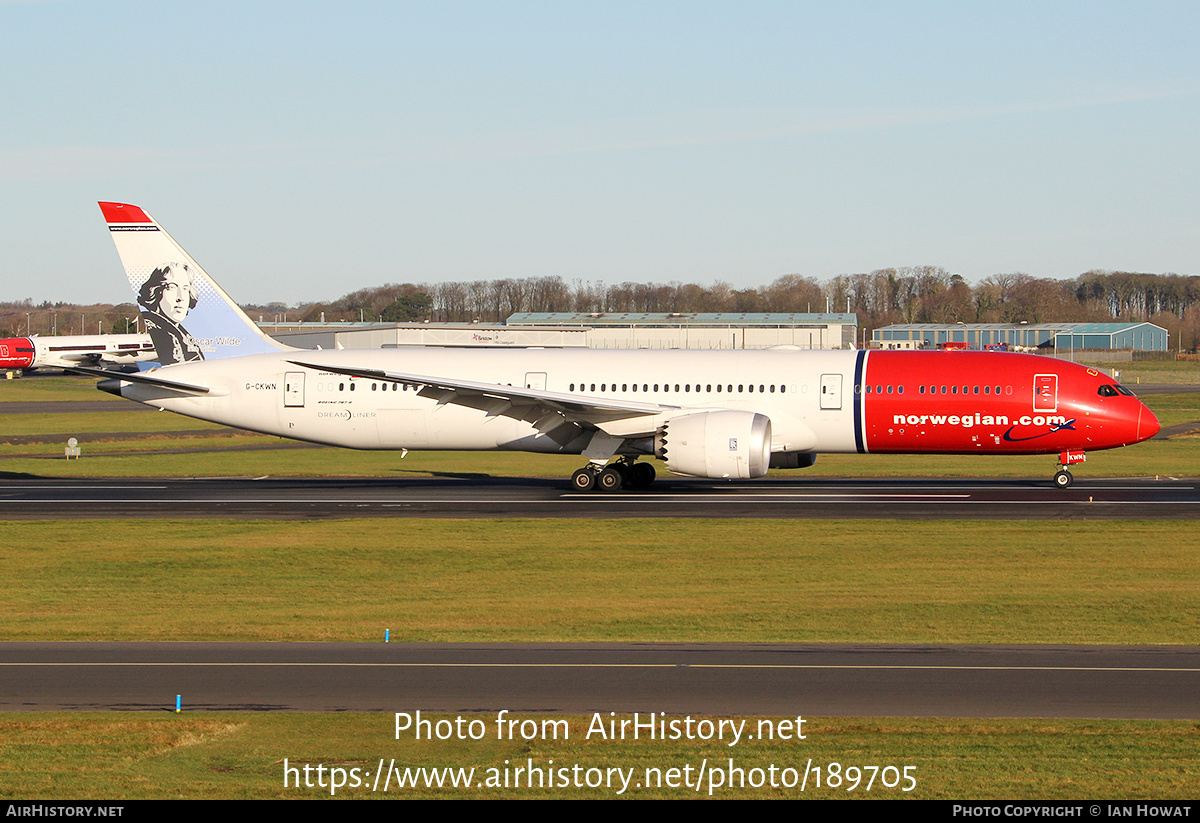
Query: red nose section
{"x": 1147, "y": 425}
{"x": 16, "y": 353}
{"x": 1126, "y": 422}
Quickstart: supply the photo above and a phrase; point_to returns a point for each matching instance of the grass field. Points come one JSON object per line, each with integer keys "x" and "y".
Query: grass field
{"x": 753, "y": 581}
{"x": 1152, "y": 371}
{"x": 51, "y": 387}
{"x": 241, "y": 756}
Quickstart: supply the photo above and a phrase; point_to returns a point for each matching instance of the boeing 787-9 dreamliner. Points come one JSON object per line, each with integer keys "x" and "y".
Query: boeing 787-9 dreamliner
{"x": 717, "y": 414}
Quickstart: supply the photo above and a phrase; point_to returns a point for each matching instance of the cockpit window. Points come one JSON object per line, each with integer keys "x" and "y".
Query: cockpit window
{"x": 1107, "y": 391}
{"x": 1123, "y": 390}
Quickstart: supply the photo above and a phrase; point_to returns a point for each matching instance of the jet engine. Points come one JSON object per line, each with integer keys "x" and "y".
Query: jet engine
{"x": 727, "y": 444}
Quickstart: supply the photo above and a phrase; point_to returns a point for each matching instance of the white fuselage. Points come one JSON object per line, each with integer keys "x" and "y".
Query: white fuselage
{"x": 268, "y": 394}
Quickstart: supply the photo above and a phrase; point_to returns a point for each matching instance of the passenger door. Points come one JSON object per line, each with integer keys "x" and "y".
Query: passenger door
{"x": 831, "y": 391}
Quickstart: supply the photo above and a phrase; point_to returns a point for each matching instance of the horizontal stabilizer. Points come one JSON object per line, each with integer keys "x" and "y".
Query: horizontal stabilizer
{"x": 140, "y": 377}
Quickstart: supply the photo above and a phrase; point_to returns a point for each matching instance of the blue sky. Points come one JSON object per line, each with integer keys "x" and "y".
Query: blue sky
{"x": 303, "y": 150}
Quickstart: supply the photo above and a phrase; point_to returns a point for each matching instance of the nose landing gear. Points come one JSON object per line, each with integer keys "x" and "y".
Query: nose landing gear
{"x": 1063, "y": 478}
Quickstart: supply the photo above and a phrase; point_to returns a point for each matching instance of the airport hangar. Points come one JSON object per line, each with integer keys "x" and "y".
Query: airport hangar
{"x": 1060, "y": 339}
{"x": 600, "y": 330}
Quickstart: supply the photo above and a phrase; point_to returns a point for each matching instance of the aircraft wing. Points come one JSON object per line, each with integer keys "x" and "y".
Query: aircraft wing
{"x": 92, "y": 357}
{"x": 542, "y": 408}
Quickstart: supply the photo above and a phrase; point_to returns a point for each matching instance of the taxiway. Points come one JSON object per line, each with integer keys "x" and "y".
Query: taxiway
{"x": 711, "y": 679}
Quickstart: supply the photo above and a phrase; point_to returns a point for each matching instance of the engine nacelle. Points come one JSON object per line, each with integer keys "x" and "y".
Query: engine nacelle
{"x": 726, "y": 444}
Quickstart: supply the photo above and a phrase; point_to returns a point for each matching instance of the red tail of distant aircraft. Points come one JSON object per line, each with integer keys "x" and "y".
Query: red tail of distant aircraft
{"x": 719, "y": 414}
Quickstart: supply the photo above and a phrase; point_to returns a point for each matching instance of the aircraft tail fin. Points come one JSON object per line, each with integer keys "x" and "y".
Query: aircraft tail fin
{"x": 188, "y": 316}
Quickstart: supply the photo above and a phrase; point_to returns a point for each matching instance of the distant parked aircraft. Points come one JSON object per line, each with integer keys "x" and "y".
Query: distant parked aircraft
{"x": 108, "y": 350}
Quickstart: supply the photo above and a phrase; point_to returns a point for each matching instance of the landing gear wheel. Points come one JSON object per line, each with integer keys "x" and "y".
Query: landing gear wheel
{"x": 583, "y": 480}
{"x": 610, "y": 479}
{"x": 641, "y": 475}
{"x": 1063, "y": 479}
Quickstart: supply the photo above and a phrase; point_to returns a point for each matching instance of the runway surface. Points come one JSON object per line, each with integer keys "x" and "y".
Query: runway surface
{"x": 474, "y": 496}
{"x": 829, "y": 680}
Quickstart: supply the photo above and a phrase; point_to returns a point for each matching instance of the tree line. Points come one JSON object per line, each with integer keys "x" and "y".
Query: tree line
{"x": 920, "y": 294}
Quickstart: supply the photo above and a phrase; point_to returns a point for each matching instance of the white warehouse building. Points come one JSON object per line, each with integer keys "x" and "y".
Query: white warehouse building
{"x": 615, "y": 330}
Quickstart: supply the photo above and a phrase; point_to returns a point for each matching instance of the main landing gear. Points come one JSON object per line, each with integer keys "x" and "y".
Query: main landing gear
{"x": 624, "y": 474}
